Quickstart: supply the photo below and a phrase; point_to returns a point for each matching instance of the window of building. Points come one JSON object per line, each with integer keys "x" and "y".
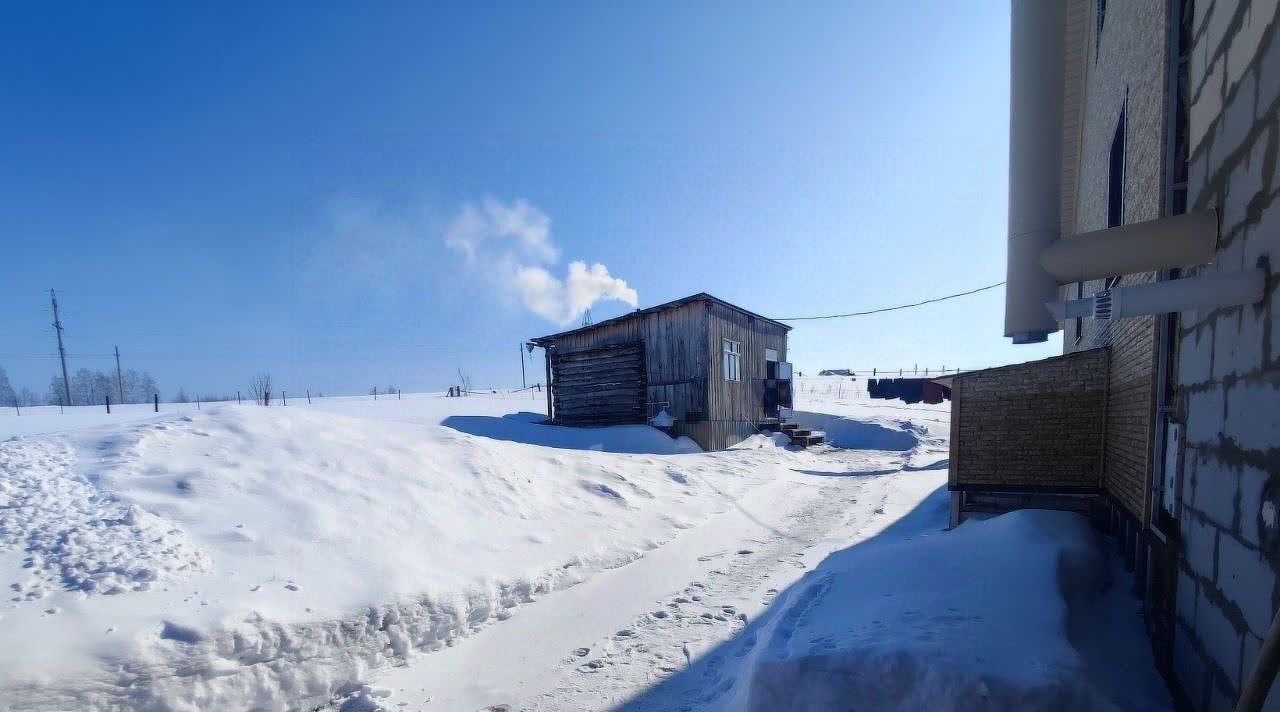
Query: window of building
{"x": 1079, "y": 320}
{"x": 1097, "y": 35}
{"x": 732, "y": 360}
{"x": 1115, "y": 176}
{"x": 1115, "y": 171}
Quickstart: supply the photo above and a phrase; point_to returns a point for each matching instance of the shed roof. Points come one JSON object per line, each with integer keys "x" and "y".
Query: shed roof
{"x": 699, "y": 297}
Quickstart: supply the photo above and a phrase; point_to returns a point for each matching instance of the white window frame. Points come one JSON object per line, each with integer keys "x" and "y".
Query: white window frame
{"x": 732, "y": 359}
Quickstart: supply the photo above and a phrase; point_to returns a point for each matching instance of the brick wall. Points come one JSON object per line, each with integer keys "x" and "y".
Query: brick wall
{"x": 1228, "y": 360}
{"x": 1036, "y": 424}
{"x": 1125, "y": 72}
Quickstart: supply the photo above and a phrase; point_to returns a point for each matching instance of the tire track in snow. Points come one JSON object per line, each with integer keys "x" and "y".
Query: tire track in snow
{"x": 700, "y": 618}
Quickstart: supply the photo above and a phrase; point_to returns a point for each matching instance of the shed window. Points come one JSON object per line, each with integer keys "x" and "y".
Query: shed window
{"x": 732, "y": 360}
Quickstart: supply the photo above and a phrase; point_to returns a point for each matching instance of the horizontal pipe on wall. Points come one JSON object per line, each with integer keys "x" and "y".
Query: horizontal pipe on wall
{"x": 1164, "y": 243}
{"x": 1208, "y": 291}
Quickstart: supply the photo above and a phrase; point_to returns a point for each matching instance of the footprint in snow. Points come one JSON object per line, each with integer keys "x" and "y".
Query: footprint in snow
{"x": 591, "y": 666}
{"x": 292, "y": 586}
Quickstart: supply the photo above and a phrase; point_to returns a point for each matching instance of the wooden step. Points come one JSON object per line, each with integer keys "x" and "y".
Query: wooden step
{"x": 789, "y": 426}
{"x": 808, "y": 440}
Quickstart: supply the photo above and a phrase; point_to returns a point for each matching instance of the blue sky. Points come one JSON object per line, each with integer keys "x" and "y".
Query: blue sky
{"x": 227, "y": 189}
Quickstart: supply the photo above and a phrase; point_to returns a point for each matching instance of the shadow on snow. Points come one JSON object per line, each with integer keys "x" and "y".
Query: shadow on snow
{"x": 529, "y": 429}
{"x": 724, "y": 669}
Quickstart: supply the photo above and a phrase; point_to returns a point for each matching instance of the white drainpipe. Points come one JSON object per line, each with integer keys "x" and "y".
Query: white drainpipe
{"x": 1209, "y": 291}
{"x": 1035, "y": 161}
{"x": 1038, "y": 261}
{"x": 1165, "y": 243}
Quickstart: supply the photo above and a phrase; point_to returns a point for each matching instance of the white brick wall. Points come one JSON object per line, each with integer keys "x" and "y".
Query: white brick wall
{"x": 1228, "y": 370}
{"x": 1246, "y": 579}
{"x": 1220, "y": 639}
{"x": 1215, "y": 491}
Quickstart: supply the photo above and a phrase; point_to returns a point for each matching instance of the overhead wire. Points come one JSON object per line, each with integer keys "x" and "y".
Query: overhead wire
{"x": 893, "y": 308}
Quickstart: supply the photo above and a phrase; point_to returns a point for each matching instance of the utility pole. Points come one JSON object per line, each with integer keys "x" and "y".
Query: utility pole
{"x": 62, "y": 353}
{"x": 119, "y": 378}
{"x": 523, "y": 384}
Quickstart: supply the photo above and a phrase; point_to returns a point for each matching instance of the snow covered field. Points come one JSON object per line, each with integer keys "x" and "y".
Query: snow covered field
{"x": 452, "y": 554}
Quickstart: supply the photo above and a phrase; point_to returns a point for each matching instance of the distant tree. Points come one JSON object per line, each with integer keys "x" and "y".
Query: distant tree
{"x": 102, "y": 387}
{"x": 81, "y": 387}
{"x": 260, "y": 388}
{"x": 7, "y": 394}
{"x": 181, "y": 396}
{"x": 465, "y": 379}
{"x": 28, "y": 397}
{"x": 56, "y": 395}
{"x": 391, "y": 389}
{"x": 139, "y": 387}
{"x": 88, "y": 387}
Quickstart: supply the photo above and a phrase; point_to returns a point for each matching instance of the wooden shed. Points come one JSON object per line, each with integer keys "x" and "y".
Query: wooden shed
{"x": 717, "y": 369}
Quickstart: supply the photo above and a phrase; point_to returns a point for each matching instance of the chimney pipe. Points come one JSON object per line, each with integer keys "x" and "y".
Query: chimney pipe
{"x": 1037, "y": 30}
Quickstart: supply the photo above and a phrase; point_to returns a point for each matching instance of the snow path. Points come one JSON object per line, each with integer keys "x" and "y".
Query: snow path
{"x": 567, "y": 652}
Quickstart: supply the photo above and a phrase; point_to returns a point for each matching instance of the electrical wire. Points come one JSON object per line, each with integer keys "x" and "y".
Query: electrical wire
{"x": 894, "y": 308}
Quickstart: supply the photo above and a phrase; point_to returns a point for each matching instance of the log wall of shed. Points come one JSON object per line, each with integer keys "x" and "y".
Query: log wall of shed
{"x": 675, "y": 350}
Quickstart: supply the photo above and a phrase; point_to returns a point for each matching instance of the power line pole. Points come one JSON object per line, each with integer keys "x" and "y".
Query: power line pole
{"x": 523, "y": 383}
{"x": 119, "y": 378}
{"x": 62, "y": 353}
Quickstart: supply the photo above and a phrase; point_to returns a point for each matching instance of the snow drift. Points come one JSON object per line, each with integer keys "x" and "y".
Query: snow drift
{"x": 267, "y": 558}
{"x": 972, "y": 619}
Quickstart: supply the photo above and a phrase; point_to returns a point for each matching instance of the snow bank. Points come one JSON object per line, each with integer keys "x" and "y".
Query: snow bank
{"x": 975, "y": 618}
{"x": 244, "y": 557}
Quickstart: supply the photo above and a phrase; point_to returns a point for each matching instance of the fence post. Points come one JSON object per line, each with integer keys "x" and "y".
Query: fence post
{"x": 237, "y": 397}
{"x": 398, "y": 392}
{"x": 108, "y": 402}
{"x": 157, "y": 401}
{"x": 284, "y": 397}
{"x": 197, "y": 402}
{"x": 308, "y": 396}
{"x": 375, "y": 393}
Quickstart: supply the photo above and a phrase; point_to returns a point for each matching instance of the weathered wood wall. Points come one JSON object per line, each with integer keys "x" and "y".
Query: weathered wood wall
{"x": 683, "y": 371}
{"x": 600, "y": 386}
{"x": 733, "y": 407}
{"x": 675, "y": 357}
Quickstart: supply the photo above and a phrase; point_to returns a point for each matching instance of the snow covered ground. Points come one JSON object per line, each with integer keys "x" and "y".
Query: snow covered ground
{"x": 452, "y": 554}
